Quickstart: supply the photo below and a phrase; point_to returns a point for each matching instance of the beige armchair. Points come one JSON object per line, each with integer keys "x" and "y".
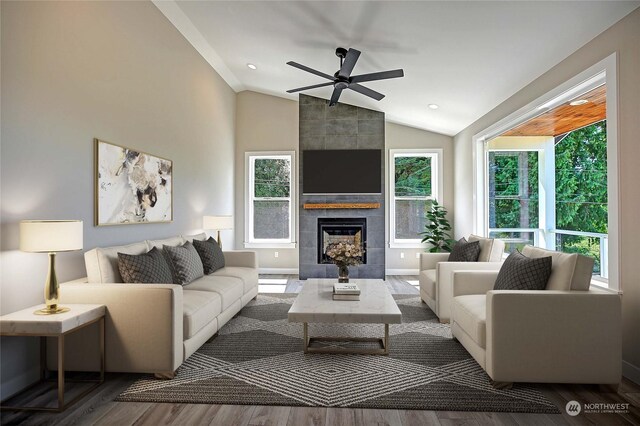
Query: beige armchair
{"x": 565, "y": 334}
{"x": 435, "y": 275}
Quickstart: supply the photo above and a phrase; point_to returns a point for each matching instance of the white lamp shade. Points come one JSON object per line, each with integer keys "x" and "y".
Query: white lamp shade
{"x": 50, "y": 235}
{"x": 217, "y": 222}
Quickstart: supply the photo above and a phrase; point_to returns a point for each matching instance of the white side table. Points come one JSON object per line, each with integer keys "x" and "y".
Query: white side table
{"x": 26, "y": 323}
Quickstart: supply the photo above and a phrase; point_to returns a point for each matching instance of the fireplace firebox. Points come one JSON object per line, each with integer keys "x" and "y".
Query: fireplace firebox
{"x": 334, "y": 230}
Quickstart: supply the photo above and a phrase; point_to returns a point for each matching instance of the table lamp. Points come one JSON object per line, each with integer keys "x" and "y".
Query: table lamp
{"x": 217, "y": 223}
{"x": 51, "y": 236}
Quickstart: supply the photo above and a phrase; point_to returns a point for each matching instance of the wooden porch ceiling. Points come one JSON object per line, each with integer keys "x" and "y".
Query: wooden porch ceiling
{"x": 565, "y": 118}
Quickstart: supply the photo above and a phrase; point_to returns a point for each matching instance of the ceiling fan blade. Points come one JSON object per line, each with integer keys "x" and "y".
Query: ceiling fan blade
{"x": 335, "y": 96}
{"x": 366, "y": 91}
{"x": 329, "y": 83}
{"x": 311, "y": 70}
{"x": 349, "y": 62}
{"x": 383, "y": 75}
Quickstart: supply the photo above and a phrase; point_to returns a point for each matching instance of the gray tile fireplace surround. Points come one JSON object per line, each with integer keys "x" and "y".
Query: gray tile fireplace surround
{"x": 340, "y": 127}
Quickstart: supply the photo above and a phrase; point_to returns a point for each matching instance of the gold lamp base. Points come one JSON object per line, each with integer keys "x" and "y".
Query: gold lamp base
{"x": 51, "y": 296}
{"x": 51, "y": 310}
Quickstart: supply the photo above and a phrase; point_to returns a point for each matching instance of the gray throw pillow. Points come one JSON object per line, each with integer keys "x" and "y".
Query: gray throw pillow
{"x": 146, "y": 268}
{"x": 210, "y": 254}
{"x": 465, "y": 251}
{"x": 186, "y": 263}
{"x": 520, "y": 272}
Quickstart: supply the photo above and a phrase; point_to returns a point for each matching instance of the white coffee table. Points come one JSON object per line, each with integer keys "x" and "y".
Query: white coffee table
{"x": 315, "y": 304}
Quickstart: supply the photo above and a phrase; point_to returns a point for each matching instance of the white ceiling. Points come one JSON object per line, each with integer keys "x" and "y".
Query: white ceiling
{"x": 467, "y": 57}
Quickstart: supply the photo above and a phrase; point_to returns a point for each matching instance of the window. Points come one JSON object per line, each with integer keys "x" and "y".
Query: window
{"x": 415, "y": 180}
{"x": 578, "y": 199}
{"x": 513, "y": 197}
{"x": 269, "y": 206}
{"x": 574, "y": 216}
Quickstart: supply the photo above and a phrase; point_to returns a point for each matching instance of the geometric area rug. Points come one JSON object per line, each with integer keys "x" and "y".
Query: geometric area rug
{"x": 257, "y": 359}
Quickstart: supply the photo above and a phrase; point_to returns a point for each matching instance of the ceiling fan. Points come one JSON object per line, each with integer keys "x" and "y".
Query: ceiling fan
{"x": 342, "y": 79}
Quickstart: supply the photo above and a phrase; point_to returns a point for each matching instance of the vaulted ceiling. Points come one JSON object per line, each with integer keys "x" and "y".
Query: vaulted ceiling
{"x": 466, "y": 57}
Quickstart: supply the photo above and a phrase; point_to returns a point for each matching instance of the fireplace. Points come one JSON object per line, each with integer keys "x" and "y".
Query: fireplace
{"x": 334, "y": 230}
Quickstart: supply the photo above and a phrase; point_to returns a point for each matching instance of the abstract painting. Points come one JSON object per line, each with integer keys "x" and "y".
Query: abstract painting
{"x": 132, "y": 186}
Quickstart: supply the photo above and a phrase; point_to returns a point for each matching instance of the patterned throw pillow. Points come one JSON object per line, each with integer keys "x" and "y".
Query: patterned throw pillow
{"x": 520, "y": 272}
{"x": 465, "y": 251}
{"x": 186, "y": 263}
{"x": 148, "y": 268}
{"x": 210, "y": 254}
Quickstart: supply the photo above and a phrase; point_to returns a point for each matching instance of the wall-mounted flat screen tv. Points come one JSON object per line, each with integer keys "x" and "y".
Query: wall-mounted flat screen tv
{"x": 357, "y": 171}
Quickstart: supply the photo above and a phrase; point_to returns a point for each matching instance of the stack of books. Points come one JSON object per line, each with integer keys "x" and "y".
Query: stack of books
{"x": 348, "y": 291}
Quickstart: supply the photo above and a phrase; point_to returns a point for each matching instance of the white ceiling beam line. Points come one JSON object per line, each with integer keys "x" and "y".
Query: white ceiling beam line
{"x": 177, "y": 17}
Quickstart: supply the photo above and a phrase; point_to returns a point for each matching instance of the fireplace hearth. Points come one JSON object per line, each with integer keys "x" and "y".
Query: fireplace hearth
{"x": 352, "y": 230}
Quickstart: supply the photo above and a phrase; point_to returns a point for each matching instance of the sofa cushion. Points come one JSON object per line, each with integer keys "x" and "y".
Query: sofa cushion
{"x": 186, "y": 263}
{"x": 198, "y": 237}
{"x": 465, "y": 251}
{"x": 470, "y": 313}
{"x": 230, "y": 289}
{"x": 569, "y": 271}
{"x": 491, "y": 250}
{"x": 249, "y": 276}
{"x": 210, "y": 254}
{"x": 172, "y": 242}
{"x": 146, "y": 268}
{"x": 199, "y": 308}
{"x": 427, "y": 279}
{"x": 520, "y": 272}
{"x": 102, "y": 263}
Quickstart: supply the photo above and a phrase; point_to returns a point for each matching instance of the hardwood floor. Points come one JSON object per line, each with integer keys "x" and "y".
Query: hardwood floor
{"x": 99, "y": 407}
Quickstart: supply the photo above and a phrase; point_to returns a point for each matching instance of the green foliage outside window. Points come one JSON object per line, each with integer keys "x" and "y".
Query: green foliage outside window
{"x": 513, "y": 194}
{"x": 581, "y": 189}
{"x": 413, "y": 176}
{"x": 272, "y": 178}
{"x": 581, "y": 180}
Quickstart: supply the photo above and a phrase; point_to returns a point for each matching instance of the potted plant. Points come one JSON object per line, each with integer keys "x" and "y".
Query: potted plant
{"x": 343, "y": 255}
{"x": 437, "y": 229}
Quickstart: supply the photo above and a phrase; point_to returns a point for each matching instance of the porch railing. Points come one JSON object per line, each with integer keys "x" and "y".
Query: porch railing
{"x": 553, "y": 240}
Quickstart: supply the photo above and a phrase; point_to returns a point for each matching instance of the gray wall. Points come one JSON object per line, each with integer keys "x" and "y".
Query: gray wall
{"x": 623, "y": 38}
{"x": 404, "y": 137}
{"x": 264, "y": 123}
{"x": 340, "y": 127}
{"x": 72, "y": 71}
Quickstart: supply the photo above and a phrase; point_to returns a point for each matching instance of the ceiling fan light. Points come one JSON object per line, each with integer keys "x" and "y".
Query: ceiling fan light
{"x": 251, "y": 66}
{"x": 433, "y": 106}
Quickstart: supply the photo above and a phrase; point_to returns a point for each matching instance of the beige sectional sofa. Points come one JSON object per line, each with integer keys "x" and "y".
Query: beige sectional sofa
{"x": 567, "y": 333}
{"x": 153, "y": 328}
{"x": 435, "y": 275}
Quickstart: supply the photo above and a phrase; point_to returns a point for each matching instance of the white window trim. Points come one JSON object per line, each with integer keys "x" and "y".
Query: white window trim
{"x": 436, "y": 190}
{"x": 603, "y": 71}
{"x": 249, "y": 241}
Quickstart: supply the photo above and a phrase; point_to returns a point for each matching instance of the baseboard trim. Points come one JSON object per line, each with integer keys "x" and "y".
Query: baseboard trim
{"x": 278, "y": 271}
{"x": 17, "y": 384}
{"x": 631, "y": 372}
{"x": 402, "y": 271}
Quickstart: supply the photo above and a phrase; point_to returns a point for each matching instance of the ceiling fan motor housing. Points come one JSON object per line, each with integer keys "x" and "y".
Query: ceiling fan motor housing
{"x": 341, "y": 84}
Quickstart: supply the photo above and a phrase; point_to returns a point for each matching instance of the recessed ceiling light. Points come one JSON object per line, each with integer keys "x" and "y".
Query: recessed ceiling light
{"x": 433, "y": 106}
{"x": 578, "y": 102}
{"x": 251, "y": 66}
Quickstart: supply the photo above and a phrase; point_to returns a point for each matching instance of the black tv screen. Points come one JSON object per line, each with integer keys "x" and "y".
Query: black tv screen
{"x": 357, "y": 171}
